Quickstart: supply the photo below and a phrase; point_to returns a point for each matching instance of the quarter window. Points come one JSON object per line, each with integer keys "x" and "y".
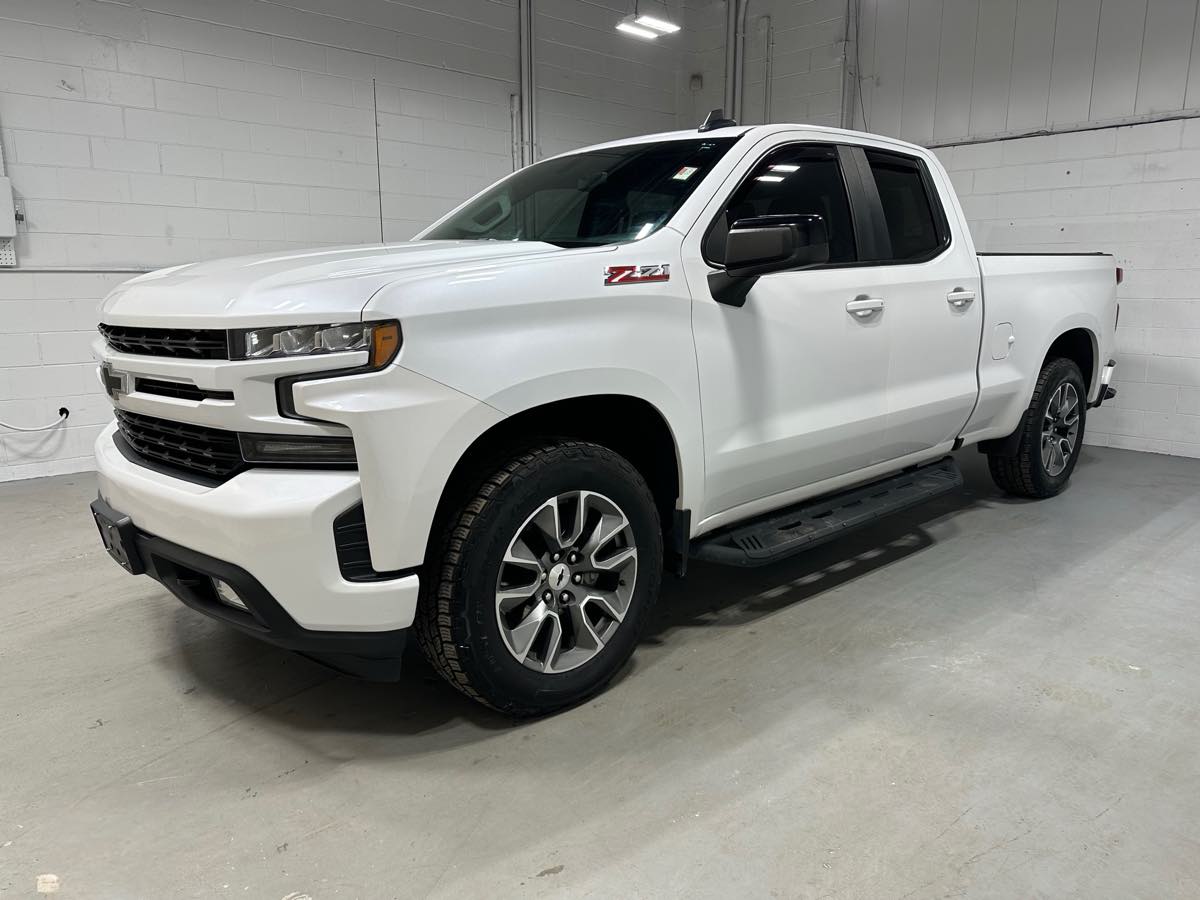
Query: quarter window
{"x": 912, "y": 225}
{"x": 799, "y": 180}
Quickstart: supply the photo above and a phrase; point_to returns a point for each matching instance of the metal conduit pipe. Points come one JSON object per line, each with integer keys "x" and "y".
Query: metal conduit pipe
{"x": 731, "y": 57}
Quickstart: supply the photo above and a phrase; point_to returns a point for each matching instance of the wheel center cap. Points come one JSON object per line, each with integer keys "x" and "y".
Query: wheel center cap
{"x": 560, "y": 575}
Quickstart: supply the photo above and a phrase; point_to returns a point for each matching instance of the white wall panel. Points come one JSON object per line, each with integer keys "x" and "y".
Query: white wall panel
{"x": 956, "y": 67}
{"x": 1017, "y": 66}
{"x": 1074, "y": 64}
{"x": 1033, "y": 54}
{"x": 919, "y": 97}
{"x": 1118, "y": 58}
{"x": 993, "y": 66}
{"x": 1166, "y": 56}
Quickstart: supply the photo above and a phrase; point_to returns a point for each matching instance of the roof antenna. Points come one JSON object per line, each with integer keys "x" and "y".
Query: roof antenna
{"x": 716, "y": 119}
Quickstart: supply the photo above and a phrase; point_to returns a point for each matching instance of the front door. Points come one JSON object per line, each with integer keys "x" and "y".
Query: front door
{"x": 793, "y": 383}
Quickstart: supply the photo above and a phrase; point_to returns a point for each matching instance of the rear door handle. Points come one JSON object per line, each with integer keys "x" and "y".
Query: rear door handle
{"x": 959, "y": 298}
{"x": 863, "y": 307}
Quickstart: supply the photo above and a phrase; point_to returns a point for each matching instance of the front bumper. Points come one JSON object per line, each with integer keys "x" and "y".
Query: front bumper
{"x": 274, "y": 525}
{"x": 189, "y": 575}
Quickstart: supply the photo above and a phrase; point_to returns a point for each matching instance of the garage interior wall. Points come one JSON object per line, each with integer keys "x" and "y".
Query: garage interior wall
{"x": 149, "y": 133}
{"x": 799, "y": 43}
{"x": 945, "y": 72}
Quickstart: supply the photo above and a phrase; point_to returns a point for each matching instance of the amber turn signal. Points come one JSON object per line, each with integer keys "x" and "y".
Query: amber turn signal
{"x": 385, "y": 343}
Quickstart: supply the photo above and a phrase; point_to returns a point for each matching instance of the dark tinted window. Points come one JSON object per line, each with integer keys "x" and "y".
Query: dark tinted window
{"x": 911, "y": 223}
{"x": 600, "y": 197}
{"x": 796, "y": 180}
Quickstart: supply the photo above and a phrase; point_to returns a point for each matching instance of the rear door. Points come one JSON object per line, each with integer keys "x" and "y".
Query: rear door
{"x": 925, "y": 268}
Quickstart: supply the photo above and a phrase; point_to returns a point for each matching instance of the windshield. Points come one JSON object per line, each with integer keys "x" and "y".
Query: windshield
{"x": 599, "y": 197}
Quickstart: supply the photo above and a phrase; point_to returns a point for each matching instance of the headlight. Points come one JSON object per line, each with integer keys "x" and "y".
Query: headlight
{"x": 380, "y": 339}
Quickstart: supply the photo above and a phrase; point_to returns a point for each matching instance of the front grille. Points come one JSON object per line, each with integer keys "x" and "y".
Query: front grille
{"x": 211, "y": 453}
{"x": 178, "y": 389}
{"x": 181, "y": 343}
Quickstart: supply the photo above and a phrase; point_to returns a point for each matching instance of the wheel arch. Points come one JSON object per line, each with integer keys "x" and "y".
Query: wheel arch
{"x": 1079, "y": 345}
{"x": 629, "y": 425}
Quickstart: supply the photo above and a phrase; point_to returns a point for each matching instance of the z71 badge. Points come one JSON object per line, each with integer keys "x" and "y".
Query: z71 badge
{"x": 637, "y": 274}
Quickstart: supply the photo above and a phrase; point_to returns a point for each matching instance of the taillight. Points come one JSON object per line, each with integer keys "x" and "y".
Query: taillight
{"x": 1120, "y": 274}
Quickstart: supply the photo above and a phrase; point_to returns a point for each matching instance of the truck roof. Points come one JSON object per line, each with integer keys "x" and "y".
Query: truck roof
{"x": 753, "y": 132}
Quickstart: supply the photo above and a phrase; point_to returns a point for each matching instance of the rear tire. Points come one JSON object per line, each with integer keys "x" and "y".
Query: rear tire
{"x": 570, "y": 521}
{"x": 1051, "y": 435}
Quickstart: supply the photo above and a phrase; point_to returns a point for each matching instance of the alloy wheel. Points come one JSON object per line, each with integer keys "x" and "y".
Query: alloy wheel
{"x": 1060, "y": 429}
{"x": 566, "y": 581}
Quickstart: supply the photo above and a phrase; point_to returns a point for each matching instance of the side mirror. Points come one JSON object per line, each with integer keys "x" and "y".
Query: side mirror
{"x": 766, "y": 244}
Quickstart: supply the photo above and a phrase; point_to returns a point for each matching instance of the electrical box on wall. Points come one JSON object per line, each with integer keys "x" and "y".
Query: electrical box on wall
{"x": 8, "y": 211}
{"x": 8, "y": 223}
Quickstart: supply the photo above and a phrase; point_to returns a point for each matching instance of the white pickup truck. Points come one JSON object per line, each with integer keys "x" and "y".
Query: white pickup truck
{"x": 726, "y": 344}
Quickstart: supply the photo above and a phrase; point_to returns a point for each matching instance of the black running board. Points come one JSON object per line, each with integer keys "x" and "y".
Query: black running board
{"x": 782, "y": 533}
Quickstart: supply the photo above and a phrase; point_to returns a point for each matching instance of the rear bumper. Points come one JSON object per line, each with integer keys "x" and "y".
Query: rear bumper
{"x": 273, "y": 526}
{"x": 189, "y": 574}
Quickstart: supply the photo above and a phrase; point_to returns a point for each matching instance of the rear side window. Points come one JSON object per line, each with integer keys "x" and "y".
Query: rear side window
{"x": 913, "y": 224}
{"x": 796, "y": 179}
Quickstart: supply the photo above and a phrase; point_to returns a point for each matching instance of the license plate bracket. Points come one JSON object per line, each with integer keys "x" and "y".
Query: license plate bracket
{"x": 118, "y": 536}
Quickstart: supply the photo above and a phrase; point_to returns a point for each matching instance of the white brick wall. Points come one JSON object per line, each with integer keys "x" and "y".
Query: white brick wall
{"x": 1133, "y": 191}
{"x": 47, "y": 322}
{"x": 152, "y": 132}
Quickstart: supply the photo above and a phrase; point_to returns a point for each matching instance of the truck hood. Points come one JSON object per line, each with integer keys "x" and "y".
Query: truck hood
{"x": 295, "y": 288}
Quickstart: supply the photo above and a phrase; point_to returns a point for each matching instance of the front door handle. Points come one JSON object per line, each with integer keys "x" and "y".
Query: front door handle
{"x": 959, "y": 298}
{"x": 863, "y": 307}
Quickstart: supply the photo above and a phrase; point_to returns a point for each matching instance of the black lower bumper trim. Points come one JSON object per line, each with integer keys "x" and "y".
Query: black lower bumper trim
{"x": 188, "y": 574}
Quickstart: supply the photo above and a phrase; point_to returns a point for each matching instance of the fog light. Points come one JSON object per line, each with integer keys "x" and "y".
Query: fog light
{"x": 228, "y": 595}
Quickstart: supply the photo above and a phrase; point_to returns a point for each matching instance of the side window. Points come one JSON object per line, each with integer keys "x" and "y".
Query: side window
{"x": 912, "y": 225}
{"x": 794, "y": 179}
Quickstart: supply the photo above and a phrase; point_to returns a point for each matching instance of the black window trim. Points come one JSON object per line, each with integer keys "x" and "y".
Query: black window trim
{"x": 866, "y": 209}
{"x": 856, "y": 209}
{"x": 940, "y": 222}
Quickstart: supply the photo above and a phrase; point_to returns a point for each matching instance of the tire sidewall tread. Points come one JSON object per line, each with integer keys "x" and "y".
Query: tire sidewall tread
{"x": 1023, "y": 474}
{"x": 456, "y": 624}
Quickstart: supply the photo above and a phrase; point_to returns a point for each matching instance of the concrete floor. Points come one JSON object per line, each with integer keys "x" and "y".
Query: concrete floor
{"x": 985, "y": 698}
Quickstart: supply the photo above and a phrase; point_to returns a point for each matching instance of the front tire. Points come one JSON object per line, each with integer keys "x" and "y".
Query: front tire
{"x": 543, "y": 580}
{"x": 1051, "y": 435}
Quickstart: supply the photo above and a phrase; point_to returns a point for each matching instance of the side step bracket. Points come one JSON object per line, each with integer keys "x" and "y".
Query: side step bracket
{"x": 784, "y": 532}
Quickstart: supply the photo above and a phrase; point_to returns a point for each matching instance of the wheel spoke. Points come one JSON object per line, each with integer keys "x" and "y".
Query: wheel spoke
{"x": 519, "y": 554}
{"x": 586, "y": 637}
{"x": 617, "y": 561}
{"x": 609, "y": 602}
{"x": 553, "y": 643}
{"x": 561, "y": 531}
{"x": 609, "y": 527}
{"x": 521, "y": 638}
{"x": 508, "y": 599}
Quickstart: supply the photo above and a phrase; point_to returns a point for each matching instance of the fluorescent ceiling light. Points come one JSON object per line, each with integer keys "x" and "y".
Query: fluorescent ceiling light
{"x": 627, "y": 25}
{"x": 785, "y": 167}
{"x": 660, "y": 25}
{"x": 769, "y": 178}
